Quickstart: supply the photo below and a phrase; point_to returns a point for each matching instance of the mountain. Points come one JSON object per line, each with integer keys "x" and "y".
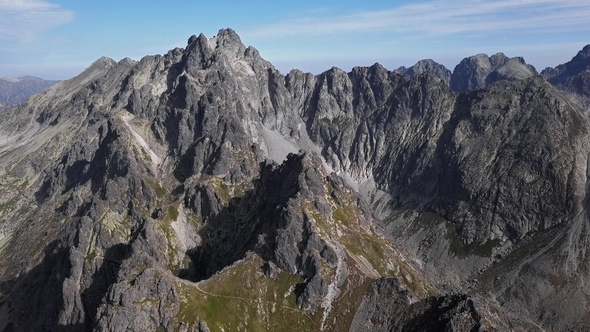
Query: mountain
{"x": 203, "y": 190}
{"x": 572, "y": 76}
{"x": 480, "y": 70}
{"x": 15, "y": 90}
{"x": 474, "y": 72}
{"x": 4, "y": 106}
{"x": 427, "y": 65}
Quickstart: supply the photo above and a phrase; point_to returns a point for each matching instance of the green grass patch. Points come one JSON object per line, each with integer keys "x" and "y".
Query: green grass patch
{"x": 171, "y": 246}
{"x": 241, "y": 189}
{"x": 345, "y": 215}
{"x": 160, "y": 192}
{"x": 241, "y": 298}
{"x": 351, "y": 296}
{"x": 92, "y": 255}
{"x": 366, "y": 244}
{"x": 194, "y": 220}
{"x": 7, "y": 207}
{"x": 172, "y": 212}
{"x": 411, "y": 280}
{"x": 221, "y": 188}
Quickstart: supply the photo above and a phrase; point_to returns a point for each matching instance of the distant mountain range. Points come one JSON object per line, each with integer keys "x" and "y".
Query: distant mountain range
{"x": 204, "y": 190}
{"x": 473, "y": 72}
{"x": 15, "y": 90}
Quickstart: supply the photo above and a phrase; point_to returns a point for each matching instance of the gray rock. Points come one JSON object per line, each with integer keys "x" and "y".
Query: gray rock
{"x": 573, "y": 77}
{"x": 427, "y": 66}
{"x": 479, "y": 71}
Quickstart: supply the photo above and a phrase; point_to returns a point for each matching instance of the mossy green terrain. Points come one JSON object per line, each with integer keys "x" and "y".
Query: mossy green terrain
{"x": 371, "y": 251}
{"x": 241, "y": 298}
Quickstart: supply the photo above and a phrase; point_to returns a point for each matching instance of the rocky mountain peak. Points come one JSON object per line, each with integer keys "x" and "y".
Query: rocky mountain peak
{"x": 584, "y": 53}
{"x": 227, "y": 41}
{"x": 225, "y": 49}
{"x": 576, "y": 65}
{"x": 480, "y": 70}
{"x": 497, "y": 59}
{"x": 103, "y": 63}
{"x": 573, "y": 76}
{"x": 427, "y": 65}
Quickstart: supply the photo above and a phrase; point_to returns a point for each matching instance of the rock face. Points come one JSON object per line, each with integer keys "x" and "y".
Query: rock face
{"x": 15, "y": 90}
{"x": 204, "y": 190}
{"x": 479, "y": 71}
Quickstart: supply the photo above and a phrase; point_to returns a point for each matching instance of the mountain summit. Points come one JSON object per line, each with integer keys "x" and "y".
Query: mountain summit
{"x": 203, "y": 190}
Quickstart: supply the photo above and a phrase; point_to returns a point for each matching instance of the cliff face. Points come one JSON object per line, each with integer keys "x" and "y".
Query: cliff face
{"x": 203, "y": 189}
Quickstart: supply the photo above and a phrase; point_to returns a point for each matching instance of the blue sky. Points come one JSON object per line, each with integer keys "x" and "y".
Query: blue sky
{"x": 57, "y": 39}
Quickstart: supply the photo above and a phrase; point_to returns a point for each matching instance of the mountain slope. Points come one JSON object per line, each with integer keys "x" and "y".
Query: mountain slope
{"x": 15, "y": 90}
{"x": 204, "y": 190}
{"x": 573, "y": 77}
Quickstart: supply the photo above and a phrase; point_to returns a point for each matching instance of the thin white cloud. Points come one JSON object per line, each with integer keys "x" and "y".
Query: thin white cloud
{"x": 436, "y": 18}
{"x": 23, "y": 20}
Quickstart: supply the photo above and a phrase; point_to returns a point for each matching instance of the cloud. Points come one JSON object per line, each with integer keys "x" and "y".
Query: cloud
{"x": 440, "y": 18}
{"x": 23, "y": 20}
